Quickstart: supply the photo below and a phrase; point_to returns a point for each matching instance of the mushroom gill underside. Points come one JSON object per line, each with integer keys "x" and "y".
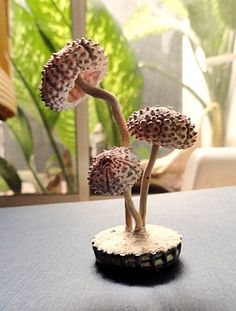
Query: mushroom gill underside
{"x": 59, "y": 88}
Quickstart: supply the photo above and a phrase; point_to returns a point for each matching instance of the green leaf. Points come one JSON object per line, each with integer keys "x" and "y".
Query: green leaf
{"x": 21, "y": 129}
{"x": 29, "y": 56}
{"x": 149, "y": 20}
{"x": 172, "y": 78}
{"x": 45, "y": 38}
{"x": 215, "y": 38}
{"x": 227, "y": 10}
{"x": 66, "y": 129}
{"x": 9, "y": 174}
{"x": 144, "y": 23}
{"x": 93, "y": 118}
{"x": 123, "y": 77}
{"x": 3, "y": 185}
{"x": 175, "y": 7}
{"x": 105, "y": 117}
{"x": 206, "y": 22}
{"x": 37, "y": 32}
{"x": 31, "y": 50}
{"x": 54, "y": 20}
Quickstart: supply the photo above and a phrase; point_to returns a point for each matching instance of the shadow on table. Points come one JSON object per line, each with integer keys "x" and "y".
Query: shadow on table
{"x": 142, "y": 278}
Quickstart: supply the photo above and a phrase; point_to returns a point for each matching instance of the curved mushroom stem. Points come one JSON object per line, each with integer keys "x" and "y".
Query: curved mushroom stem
{"x": 146, "y": 178}
{"x": 118, "y": 116}
{"x": 113, "y": 102}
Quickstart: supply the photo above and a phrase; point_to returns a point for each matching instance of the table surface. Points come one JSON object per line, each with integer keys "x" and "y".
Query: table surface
{"x": 47, "y": 262}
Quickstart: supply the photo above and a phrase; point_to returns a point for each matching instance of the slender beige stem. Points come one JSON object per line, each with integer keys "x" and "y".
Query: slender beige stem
{"x": 113, "y": 102}
{"x": 119, "y": 118}
{"x": 133, "y": 211}
{"x": 146, "y": 178}
{"x": 128, "y": 216}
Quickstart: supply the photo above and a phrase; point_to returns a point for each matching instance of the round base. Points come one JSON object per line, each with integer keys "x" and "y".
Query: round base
{"x": 155, "y": 248}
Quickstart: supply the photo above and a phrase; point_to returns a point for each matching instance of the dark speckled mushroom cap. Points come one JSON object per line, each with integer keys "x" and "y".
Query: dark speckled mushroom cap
{"x": 112, "y": 171}
{"x": 81, "y": 57}
{"x": 162, "y": 126}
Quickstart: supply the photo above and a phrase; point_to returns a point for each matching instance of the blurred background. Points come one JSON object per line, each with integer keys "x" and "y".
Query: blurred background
{"x": 175, "y": 53}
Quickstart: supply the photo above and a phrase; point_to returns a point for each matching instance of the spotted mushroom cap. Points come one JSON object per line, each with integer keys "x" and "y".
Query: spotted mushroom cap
{"x": 162, "y": 126}
{"x": 112, "y": 171}
{"x": 81, "y": 57}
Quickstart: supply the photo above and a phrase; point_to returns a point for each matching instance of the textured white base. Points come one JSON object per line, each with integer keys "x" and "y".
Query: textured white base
{"x": 156, "y": 248}
{"x": 156, "y": 239}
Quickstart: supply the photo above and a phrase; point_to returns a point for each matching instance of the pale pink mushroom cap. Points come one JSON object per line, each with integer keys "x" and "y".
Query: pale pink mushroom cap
{"x": 81, "y": 57}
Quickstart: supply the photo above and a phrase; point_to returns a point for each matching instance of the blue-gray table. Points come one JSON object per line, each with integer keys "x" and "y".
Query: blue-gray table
{"x": 47, "y": 263}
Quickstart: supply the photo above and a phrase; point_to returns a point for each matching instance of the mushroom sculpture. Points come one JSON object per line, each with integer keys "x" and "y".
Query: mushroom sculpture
{"x": 150, "y": 246}
{"x": 69, "y": 76}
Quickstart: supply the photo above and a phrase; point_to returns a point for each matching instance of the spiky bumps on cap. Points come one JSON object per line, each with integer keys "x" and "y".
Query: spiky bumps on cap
{"x": 162, "y": 126}
{"x": 81, "y": 57}
{"x": 113, "y": 171}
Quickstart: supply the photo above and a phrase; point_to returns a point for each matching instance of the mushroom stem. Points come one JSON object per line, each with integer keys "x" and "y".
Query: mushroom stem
{"x": 133, "y": 211}
{"x": 146, "y": 178}
{"x": 119, "y": 118}
{"x": 112, "y": 101}
{"x": 128, "y": 216}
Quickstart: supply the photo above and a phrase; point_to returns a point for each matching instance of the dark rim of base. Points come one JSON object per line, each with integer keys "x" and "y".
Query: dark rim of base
{"x": 147, "y": 261}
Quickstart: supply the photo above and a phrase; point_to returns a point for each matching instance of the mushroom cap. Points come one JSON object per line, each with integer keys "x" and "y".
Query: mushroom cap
{"x": 162, "y": 126}
{"x": 82, "y": 57}
{"x": 112, "y": 171}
